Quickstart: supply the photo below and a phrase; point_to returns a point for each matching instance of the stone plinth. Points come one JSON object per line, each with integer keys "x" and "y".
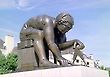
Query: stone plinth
{"x": 26, "y": 59}
{"x": 74, "y": 71}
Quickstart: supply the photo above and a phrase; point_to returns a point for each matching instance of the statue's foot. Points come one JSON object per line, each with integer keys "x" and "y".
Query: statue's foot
{"x": 64, "y": 62}
{"x": 47, "y": 64}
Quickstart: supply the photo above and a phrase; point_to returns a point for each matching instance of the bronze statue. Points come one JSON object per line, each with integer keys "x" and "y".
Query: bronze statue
{"x": 48, "y": 33}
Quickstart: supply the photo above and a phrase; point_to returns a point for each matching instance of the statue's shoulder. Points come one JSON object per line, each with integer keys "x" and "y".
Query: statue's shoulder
{"x": 48, "y": 17}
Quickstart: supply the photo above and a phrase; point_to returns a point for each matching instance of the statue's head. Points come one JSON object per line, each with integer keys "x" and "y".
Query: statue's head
{"x": 64, "y": 22}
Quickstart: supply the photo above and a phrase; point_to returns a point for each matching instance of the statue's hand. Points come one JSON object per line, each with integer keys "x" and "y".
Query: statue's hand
{"x": 79, "y": 44}
{"x": 64, "y": 62}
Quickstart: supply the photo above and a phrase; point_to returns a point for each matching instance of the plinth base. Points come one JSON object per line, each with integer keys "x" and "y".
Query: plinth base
{"x": 74, "y": 71}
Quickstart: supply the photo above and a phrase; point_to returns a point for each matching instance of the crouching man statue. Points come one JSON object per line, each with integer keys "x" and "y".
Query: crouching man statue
{"x": 48, "y": 33}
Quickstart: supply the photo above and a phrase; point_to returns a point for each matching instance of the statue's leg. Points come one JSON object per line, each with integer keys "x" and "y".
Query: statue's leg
{"x": 40, "y": 50}
{"x": 46, "y": 49}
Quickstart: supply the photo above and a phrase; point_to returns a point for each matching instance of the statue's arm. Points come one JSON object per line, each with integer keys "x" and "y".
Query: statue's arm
{"x": 49, "y": 36}
{"x": 71, "y": 43}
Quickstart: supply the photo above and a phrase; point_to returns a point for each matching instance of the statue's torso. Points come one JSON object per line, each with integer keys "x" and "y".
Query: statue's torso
{"x": 59, "y": 37}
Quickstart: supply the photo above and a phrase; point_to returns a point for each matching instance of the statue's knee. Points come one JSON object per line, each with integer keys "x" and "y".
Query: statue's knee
{"x": 37, "y": 33}
{"x": 23, "y": 37}
{"x": 25, "y": 44}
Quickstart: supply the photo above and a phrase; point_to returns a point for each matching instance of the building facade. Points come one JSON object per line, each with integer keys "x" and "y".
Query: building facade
{"x": 1, "y": 44}
{"x": 7, "y": 45}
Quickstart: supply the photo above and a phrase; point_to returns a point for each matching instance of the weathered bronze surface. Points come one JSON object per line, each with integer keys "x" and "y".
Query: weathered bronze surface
{"x": 46, "y": 33}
